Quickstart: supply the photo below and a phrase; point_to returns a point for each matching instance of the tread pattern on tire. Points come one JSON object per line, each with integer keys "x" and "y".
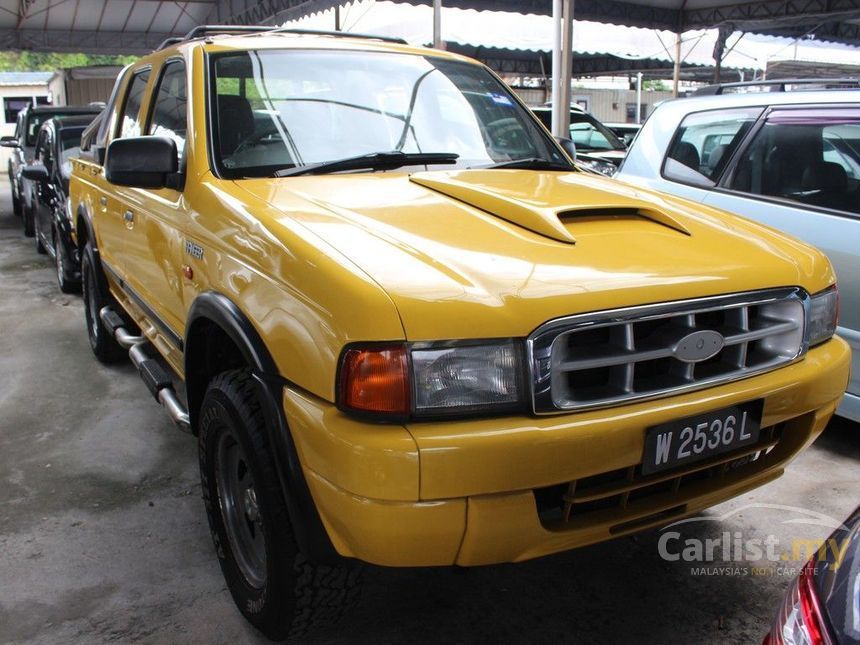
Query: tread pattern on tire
{"x": 322, "y": 594}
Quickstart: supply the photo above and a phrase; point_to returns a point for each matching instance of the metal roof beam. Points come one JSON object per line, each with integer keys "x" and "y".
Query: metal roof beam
{"x": 772, "y": 14}
{"x": 92, "y": 42}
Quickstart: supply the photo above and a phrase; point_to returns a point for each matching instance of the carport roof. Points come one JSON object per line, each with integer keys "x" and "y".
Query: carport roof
{"x": 138, "y": 26}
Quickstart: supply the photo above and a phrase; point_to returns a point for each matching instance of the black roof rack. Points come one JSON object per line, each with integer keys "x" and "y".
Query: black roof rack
{"x": 209, "y": 30}
{"x": 779, "y": 85}
{"x": 338, "y": 34}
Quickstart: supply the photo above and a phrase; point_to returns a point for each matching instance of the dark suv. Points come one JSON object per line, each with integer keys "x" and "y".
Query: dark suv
{"x": 23, "y": 145}
{"x": 59, "y": 140}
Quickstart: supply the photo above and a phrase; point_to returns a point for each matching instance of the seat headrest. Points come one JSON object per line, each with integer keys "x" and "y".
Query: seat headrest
{"x": 824, "y": 175}
{"x": 716, "y": 155}
{"x": 686, "y": 153}
{"x": 235, "y": 121}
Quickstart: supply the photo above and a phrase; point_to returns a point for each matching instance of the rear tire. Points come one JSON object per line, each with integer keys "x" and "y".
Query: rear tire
{"x": 16, "y": 205}
{"x": 27, "y": 216}
{"x": 104, "y": 346}
{"x": 64, "y": 282}
{"x": 275, "y": 587}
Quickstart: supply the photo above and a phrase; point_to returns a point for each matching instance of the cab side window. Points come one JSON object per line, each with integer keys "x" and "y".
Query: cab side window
{"x": 169, "y": 111}
{"x": 811, "y": 156}
{"x": 129, "y": 121}
{"x": 43, "y": 149}
{"x": 705, "y": 142}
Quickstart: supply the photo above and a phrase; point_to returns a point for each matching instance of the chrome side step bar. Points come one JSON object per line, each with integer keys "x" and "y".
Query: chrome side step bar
{"x": 157, "y": 379}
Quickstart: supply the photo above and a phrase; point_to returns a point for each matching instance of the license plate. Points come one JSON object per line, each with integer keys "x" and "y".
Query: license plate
{"x": 685, "y": 441}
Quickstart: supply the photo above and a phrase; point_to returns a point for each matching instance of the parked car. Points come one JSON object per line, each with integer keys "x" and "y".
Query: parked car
{"x": 597, "y": 148}
{"x": 790, "y": 160}
{"x": 822, "y": 605}
{"x": 410, "y": 332}
{"x": 625, "y": 131}
{"x": 23, "y": 145}
{"x": 58, "y": 141}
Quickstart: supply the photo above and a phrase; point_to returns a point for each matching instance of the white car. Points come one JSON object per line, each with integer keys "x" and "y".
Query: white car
{"x": 787, "y": 159}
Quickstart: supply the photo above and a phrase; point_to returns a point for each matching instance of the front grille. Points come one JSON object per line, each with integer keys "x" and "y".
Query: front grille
{"x": 617, "y": 496}
{"x": 603, "y": 359}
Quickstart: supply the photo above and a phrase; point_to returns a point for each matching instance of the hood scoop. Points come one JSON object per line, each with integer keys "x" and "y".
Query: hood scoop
{"x": 543, "y": 203}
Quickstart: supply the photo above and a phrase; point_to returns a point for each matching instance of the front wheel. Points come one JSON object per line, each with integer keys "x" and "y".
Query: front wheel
{"x": 273, "y": 585}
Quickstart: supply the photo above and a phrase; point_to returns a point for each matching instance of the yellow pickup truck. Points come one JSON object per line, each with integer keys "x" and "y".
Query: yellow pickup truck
{"x": 407, "y": 330}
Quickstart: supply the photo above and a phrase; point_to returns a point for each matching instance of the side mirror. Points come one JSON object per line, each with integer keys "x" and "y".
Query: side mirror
{"x": 35, "y": 172}
{"x": 141, "y": 162}
{"x": 568, "y": 146}
{"x": 9, "y": 142}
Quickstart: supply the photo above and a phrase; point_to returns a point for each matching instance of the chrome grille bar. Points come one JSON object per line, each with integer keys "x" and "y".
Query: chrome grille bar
{"x": 605, "y": 358}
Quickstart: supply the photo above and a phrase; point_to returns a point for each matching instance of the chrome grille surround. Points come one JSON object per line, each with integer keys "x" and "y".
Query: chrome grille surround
{"x": 605, "y": 358}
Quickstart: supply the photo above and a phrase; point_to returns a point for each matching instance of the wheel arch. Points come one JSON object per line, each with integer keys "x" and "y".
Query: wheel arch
{"x": 219, "y": 337}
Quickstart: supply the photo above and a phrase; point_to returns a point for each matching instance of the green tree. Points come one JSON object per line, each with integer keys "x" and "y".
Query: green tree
{"x": 25, "y": 61}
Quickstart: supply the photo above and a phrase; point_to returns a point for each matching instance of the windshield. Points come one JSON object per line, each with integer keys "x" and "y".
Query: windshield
{"x": 278, "y": 109}
{"x": 590, "y": 134}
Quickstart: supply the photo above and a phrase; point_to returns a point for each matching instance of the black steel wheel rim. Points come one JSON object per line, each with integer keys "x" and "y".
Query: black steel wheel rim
{"x": 240, "y": 511}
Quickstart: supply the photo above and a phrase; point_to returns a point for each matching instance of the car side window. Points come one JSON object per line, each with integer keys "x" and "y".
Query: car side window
{"x": 43, "y": 149}
{"x": 169, "y": 112}
{"x": 129, "y": 121}
{"x": 811, "y": 156}
{"x": 704, "y": 143}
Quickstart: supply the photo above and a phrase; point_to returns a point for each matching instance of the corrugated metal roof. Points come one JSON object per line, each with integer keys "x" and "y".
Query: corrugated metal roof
{"x": 25, "y": 78}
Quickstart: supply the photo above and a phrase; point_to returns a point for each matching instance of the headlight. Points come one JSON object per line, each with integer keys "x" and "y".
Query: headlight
{"x": 823, "y": 316}
{"x": 420, "y": 380}
{"x": 602, "y": 167}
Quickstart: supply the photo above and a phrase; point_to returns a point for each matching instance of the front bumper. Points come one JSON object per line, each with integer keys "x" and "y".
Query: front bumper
{"x": 467, "y": 492}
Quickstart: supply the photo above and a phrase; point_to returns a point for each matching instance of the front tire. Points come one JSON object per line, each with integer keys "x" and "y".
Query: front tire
{"x": 274, "y": 586}
{"x": 104, "y": 346}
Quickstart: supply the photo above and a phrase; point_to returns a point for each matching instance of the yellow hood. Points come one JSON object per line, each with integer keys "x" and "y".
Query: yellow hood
{"x": 495, "y": 253}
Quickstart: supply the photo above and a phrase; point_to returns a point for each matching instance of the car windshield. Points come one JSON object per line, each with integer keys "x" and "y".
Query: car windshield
{"x": 590, "y": 134}
{"x": 279, "y": 109}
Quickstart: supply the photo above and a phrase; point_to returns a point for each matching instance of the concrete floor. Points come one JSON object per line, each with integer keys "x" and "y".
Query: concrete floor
{"x": 103, "y": 536}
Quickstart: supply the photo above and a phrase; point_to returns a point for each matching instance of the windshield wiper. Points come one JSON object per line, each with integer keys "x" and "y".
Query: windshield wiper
{"x": 373, "y": 161}
{"x": 529, "y": 163}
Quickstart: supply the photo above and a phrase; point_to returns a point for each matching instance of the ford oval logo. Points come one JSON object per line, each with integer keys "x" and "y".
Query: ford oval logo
{"x": 699, "y": 346}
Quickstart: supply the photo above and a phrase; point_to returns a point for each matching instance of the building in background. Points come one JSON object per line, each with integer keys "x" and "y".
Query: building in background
{"x": 85, "y": 85}
{"x": 19, "y": 89}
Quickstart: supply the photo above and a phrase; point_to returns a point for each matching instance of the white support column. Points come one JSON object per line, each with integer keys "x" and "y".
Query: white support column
{"x": 437, "y": 24}
{"x": 676, "y": 73}
{"x": 562, "y": 64}
{"x": 638, "y": 97}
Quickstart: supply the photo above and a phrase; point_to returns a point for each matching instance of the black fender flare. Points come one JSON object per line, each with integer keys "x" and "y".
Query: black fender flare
{"x": 218, "y": 309}
{"x": 91, "y": 247}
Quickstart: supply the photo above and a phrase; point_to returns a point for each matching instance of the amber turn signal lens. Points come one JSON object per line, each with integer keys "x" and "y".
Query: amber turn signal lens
{"x": 374, "y": 380}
